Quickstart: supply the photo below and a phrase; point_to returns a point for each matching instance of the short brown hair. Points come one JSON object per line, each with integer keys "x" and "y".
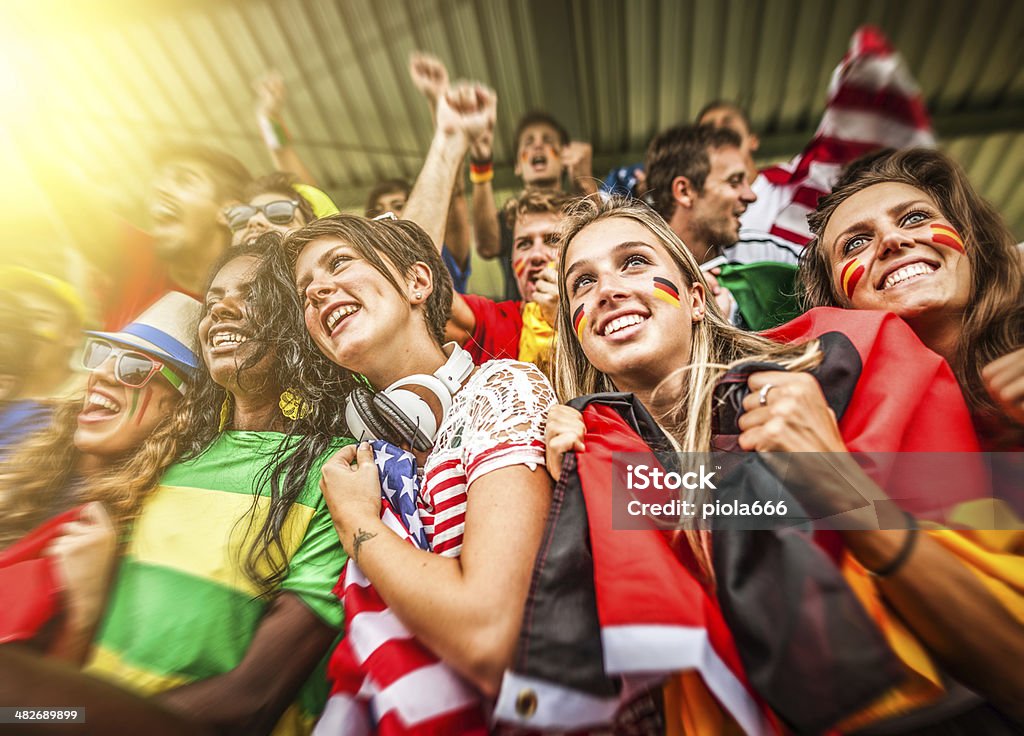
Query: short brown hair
{"x": 535, "y": 202}
{"x": 724, "y": 105}
{"x": 682, "y": 150}
{"x": 387, "y": 186}
{"x": 539, "y": 117}
{"x": 401, "y": 242}
{"x": 229, "y": 175}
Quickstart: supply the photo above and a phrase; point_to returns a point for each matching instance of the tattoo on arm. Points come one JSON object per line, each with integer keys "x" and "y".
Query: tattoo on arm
{"x": 357, "y": 541}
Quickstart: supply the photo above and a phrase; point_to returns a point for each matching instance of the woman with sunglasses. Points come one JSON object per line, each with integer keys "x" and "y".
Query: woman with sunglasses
{"x": 222, "y": 607}
{"x": 906, "y": 232}
{"x": 137, "y": 376}
{"x": 275, "y": 203}
{"x": 619, "y": 332}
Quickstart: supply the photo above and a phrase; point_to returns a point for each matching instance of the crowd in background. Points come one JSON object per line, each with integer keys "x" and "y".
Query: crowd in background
{"x": 305, "y": 478}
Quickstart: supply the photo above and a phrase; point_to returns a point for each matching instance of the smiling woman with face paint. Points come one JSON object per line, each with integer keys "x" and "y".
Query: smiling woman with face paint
{"x": 137, "y": 377}
{"x": 222, "y": 606}
{"x": 634, "y": 318}
{"x": 906, "y": 232}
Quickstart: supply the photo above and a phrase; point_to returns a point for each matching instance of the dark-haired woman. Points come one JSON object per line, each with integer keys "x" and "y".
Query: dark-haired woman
{"x": 906, "y": 232}
{"x": 222, "y": 607}
{"x": 376, "y": 298}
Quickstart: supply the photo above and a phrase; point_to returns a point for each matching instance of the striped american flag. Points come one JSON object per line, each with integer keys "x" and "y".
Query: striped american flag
{"x": 873, "y": 102}
{"x": 383, "y": 680}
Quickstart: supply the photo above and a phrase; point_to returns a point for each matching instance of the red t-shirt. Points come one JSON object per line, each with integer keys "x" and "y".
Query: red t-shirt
{"x": 498, "y": 326}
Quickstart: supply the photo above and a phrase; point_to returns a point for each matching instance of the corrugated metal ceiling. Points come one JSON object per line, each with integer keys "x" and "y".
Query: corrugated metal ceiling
{"x": 123, "y": 80}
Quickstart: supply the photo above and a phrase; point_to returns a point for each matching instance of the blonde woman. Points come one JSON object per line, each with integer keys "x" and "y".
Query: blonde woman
{"x": 617, "y": 332}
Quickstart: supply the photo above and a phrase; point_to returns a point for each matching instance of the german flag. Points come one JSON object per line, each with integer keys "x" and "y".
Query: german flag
{"x": 947, "y": 236}
{"x": 850, "y": 276}
{"x": 666, "y": 291}
{"x": 579, "y": 321}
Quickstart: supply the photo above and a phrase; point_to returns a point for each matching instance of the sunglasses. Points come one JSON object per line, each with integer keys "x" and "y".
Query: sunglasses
{"x": 278, "y": 212}
{"x": 131, "y": 368}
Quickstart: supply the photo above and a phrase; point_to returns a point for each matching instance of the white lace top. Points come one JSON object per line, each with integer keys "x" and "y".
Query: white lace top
{"x": 497, "y": 419}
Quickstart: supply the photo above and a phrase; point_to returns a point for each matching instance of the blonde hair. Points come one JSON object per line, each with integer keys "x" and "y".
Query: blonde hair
{"x": 36, "y": 482}
{"x": 715, "y": 345}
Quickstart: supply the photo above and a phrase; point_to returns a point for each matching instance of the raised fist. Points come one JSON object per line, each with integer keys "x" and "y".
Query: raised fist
{"x": 467, "y": 108}
{"x": 429, "y": 75}
{"x": 270, "y": 93}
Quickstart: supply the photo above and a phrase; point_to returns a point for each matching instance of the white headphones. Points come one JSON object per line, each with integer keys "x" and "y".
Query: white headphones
{"x": 399, "y": 415}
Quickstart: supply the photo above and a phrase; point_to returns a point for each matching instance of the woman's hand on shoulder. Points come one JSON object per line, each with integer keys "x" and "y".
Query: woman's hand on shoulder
{"x": 1004, "y": 381}
{"x": 351, "y": 486}
{"x": 563, "y": 433}
{"x": 787, "y": 412}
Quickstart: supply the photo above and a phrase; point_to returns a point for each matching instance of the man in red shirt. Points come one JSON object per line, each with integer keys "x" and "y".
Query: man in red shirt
{"x": 489, "y": 329}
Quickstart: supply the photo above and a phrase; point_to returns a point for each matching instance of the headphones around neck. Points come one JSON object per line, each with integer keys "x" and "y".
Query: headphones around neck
{"x": 398, "y": 415}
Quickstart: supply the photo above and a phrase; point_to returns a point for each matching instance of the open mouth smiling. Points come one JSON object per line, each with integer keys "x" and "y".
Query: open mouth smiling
{"x": 617, "y": 324}
{"x": 99, "y": 407}
{"x": 335, "y": 314}
{"x": 904, "y": 273}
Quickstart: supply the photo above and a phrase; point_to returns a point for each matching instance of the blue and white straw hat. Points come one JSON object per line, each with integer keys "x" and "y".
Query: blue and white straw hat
{"x": 166, "y": 331}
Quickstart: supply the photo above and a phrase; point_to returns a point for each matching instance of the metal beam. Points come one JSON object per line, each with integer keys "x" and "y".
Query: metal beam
{"x": 774, "y": 147}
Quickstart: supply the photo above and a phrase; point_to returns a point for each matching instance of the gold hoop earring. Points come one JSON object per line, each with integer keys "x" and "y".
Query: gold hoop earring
{"x": 225, "y": 412}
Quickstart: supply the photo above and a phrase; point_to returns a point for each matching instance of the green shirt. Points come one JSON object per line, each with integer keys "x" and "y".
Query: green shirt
{"x": 182, "y": 608}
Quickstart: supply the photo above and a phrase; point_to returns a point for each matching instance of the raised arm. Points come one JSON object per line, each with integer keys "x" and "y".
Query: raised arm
{"x": 462, "y": 116}
{"x": 430, "y": 76}
{"x": 270, "y": 92}
{"x": 485, "y": 211}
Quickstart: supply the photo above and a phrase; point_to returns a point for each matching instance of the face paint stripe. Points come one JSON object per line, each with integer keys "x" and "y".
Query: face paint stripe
{"x": 666, "y": 291}
{"x": 667, "y": 285}
{"x": 135, "y": 404}
{"x": 145, "y": 403}
{"x": 947, "y": 236}
{"x": 519, "y": 266}
{"x": 949, "y": 242}
{"x": 579, "y": 321}
{"x": 850, "y": 276}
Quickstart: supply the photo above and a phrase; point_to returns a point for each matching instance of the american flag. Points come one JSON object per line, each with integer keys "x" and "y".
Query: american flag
{"x": 873, "y": 102}
{"x": 383, "y": 680}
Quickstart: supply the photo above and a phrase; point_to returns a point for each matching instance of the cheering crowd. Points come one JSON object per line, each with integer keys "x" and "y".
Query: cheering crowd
{"x": 313, "y": 483}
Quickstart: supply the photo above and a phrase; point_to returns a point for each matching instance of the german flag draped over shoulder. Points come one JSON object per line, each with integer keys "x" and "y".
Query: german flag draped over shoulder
{"x": 611, "y": 612}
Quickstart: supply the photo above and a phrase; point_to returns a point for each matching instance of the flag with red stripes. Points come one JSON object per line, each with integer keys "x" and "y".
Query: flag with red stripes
{"x": 873, "y": 102}
{"x": 383, "y": 681}
{"x": 30, "y": 597}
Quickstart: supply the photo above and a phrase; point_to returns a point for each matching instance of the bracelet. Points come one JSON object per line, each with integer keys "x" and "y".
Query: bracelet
{"x": 904, "y": 554}
{"x": 275, "y": 135}
{"x": 481, "y": 173}
{"x": 480, "y": 161}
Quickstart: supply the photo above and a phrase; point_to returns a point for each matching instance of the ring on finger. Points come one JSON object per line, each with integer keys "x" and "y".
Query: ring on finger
{"x": 762, "y": 397}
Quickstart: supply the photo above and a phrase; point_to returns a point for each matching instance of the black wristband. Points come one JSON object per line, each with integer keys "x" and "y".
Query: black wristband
{"x": 481, "y": 162}
{"x": 904, "y": 554}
